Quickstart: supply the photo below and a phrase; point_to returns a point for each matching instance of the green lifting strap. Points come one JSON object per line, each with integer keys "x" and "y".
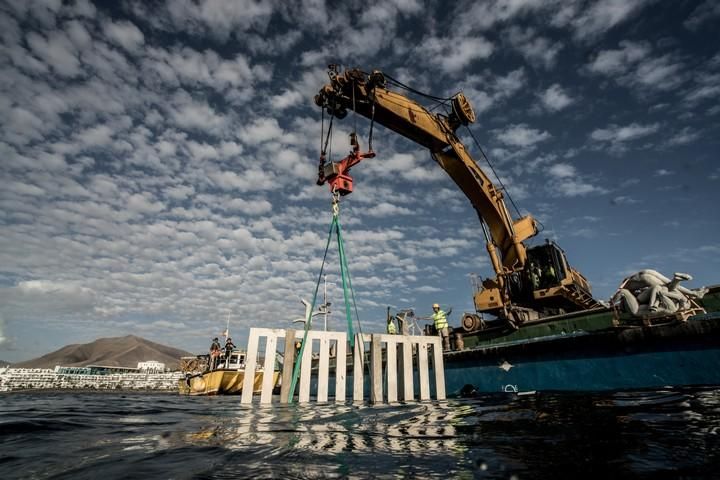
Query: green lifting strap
{"x": 345, "y": 281}
{"x": 346, "y": 272}
{"x": 347, "y": 285}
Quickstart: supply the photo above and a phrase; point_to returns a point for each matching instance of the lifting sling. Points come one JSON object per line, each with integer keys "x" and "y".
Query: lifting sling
{"x": 347, "y": 289}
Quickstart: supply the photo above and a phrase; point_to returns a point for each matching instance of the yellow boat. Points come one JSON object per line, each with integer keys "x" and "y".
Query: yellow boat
{"x": 228, "y": 379}
{"x": 221, "y": 382}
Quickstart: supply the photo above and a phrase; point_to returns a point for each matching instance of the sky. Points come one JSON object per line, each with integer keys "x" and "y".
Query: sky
{"x": 158, "y": 159}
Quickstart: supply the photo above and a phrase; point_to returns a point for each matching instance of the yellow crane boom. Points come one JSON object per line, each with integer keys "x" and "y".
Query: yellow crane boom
{"x": 368, "y": 95}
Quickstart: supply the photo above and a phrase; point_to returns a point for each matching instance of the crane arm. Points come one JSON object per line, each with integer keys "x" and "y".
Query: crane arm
{"x": 368, "y": 96}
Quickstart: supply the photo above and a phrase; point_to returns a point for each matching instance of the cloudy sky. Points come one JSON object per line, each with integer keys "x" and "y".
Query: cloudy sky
{"x": 159, "y": 158}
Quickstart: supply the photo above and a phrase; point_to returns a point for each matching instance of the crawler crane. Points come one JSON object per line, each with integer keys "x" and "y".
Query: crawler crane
{"x": 530, "y": 282}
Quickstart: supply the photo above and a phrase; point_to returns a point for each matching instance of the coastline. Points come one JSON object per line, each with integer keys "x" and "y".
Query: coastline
{"x": 18, "y": 380}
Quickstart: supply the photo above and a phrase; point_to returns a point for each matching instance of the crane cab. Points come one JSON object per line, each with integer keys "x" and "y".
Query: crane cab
{"x": 546, "y": 266}
{"x": 548, "y": 284}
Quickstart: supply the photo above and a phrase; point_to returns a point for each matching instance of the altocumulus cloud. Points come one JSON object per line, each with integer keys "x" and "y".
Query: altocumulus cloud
{"x": 159, "y": 159}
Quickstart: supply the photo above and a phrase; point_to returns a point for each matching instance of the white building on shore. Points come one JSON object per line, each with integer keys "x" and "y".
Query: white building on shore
{"x": 151, "y": 366}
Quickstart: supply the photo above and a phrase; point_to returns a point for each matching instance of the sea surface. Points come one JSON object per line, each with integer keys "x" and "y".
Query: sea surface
{"x": 672, "y": 433}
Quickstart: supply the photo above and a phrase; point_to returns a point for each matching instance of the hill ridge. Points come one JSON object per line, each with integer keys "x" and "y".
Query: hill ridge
{"x": 125, "y": 351}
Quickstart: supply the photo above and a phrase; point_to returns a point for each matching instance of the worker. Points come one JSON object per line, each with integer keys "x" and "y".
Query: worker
{"x": 391, "y": 327}
{"x": 214, "y": 353}
{"x": 549, "y": 277}
{"x": 441, "y": 325}
{"x": 534, "y": 275}
{"x": 229, "y": 347}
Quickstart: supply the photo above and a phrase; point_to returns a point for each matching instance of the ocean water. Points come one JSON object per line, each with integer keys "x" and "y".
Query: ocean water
{"x": 673, "y": 433}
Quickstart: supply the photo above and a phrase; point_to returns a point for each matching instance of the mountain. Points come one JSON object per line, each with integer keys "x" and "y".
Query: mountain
{"x": 113, "y": 352}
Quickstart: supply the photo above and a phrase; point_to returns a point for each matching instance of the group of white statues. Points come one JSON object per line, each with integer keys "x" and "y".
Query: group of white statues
{"x": 650, "y": 293}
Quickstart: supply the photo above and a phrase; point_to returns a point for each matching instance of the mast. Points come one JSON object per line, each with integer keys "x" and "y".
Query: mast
{"x": 325, "y": 301}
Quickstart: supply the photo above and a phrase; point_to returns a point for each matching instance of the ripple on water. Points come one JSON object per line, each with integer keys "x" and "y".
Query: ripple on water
{"x": 546, "y": 435}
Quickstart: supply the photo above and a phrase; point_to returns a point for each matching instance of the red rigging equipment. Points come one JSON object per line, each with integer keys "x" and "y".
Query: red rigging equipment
{"x": 336, "y": 174}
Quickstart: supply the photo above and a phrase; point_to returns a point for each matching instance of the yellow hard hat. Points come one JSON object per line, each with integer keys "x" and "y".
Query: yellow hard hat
{"x": 435, "y": 305}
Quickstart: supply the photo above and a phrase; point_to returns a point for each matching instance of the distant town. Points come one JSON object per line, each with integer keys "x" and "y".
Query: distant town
{"x": 149, "y": 375}
{"x": 99, "y": 365}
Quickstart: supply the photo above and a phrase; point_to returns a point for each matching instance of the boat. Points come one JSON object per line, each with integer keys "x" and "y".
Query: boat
{"x": 606, "y": 349}
{"x": 536, "y": 325}
{"x": 227, "y": 379}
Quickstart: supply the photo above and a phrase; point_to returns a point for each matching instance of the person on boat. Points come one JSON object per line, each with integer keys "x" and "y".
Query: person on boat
{"x": 391, "y": 326}
{"x": 549, "y": 278}
{"x": 535, "y": 274}
{"x": 439, "y": 317}
{"x": 215, "y": 351}
{"x": 229, "y": 347}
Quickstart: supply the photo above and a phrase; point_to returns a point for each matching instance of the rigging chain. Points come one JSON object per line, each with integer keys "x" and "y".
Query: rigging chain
{"x": 323, "y": 147}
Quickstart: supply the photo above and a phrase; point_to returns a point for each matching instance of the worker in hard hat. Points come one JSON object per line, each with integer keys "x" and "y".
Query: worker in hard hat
{"x": 391, "y": 326}
{"x": 441, "y": 325}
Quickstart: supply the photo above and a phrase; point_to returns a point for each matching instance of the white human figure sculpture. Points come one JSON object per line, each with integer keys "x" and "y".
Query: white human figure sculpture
{"x": 650, "y": 278}
{"x": 650, "y": 293}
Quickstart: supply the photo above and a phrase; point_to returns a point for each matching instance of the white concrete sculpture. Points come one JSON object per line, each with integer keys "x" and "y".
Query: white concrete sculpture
{"x": 649, "y": 293}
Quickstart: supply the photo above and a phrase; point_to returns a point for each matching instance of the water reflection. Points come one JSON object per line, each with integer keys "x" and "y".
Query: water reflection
{"x": 669, "y": 433}
{"x": 330, "y": 428}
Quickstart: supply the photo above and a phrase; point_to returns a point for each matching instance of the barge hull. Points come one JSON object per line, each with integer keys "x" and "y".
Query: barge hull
{"x": 685, "y": 353}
